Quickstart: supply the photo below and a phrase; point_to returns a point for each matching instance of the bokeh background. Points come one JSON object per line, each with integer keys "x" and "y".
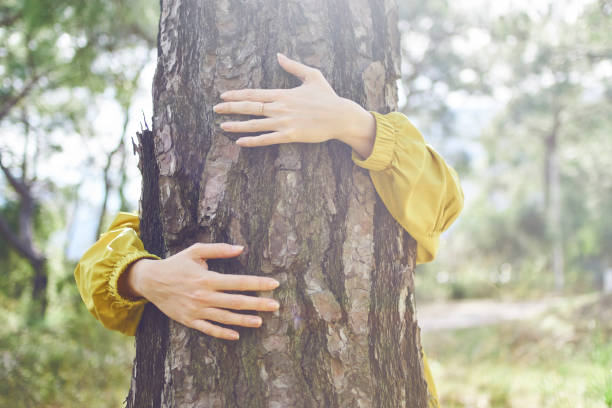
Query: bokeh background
{"x": 517, "y": 95}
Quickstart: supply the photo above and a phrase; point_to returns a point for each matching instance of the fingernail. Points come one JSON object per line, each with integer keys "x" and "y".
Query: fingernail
{"x": 273, "y": 304}
{"x": 240, "y": 247}
{"x": 224, "y": 94}
{"x": 235, "y": 336}
{"x": 255, "y": 320}
{"x": 215, "y": 108}
{"x": 240, "y": 142}
{"x": 273, "y": 284}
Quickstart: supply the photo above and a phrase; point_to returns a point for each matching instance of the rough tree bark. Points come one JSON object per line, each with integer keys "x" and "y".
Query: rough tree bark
{"x": 346, "y": 334}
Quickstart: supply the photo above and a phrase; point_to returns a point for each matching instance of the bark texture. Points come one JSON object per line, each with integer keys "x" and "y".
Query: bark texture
{"x": 346, "y": 334}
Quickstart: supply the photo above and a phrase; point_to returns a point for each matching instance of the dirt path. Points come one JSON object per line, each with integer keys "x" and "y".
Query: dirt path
{"x": 479, "y": 312}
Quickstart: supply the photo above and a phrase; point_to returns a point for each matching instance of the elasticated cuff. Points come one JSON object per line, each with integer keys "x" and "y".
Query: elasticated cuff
{"x": 384, "y": 145}
{"x": 118, "y": 269}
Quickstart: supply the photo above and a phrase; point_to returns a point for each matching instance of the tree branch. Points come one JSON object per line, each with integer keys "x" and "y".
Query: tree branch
{"x": 24, "y": 250}
{"x": 19, "y": 186}
{"x": 138, "y": 31}
{"x": 8, "y": 20}
{"x": 107, "y": 182}
{"x": 119, "y": 149}
{"x": 11, "y": 102}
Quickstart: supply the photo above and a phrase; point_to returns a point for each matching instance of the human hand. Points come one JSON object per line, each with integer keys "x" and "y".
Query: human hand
{"x": 309, "y": 113}
{"x": 184, "y": 289}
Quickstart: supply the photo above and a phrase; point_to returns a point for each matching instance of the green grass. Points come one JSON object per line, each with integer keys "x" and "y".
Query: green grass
{"x": 563, "y": 358}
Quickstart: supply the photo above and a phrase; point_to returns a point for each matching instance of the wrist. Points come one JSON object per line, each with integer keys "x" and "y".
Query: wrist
{"x": 133, "y": 282}
{"x": 359, "y": 131}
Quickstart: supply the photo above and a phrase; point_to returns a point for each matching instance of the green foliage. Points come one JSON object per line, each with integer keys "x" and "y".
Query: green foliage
{"x": 65, "y": 46}
{"x": 70, "y": 361}
{"x": 67, "y": 359}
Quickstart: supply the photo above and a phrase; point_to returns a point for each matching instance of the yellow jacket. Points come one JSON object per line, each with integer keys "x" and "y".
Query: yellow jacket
{"x": 417, "y": 186}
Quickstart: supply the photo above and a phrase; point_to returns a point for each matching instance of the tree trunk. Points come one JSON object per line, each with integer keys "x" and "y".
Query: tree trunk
{"x": 346, "y": 333}
{"x": 23, "y": 242}
{"x": 554, "y": 203}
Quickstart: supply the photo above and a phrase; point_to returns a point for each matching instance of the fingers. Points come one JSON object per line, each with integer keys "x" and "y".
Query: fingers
{"x": 212, "y": 251}
{"x": 214, "y": 330}
{"x": 304, "y": 72}
{"x": 241, "y": 108}
{"x": 243, "y": 302}
{"x": 225, "y": 317}
{"x": 231, "y": 318}
{"x": 255, "y": 95}
{"x": 243, "y": 283}
{"x": 264, "y": 140}
{"x": 255, "y": 125}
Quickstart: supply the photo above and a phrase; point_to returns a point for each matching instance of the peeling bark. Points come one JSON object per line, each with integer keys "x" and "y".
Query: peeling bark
{"x": 346, "y": 334}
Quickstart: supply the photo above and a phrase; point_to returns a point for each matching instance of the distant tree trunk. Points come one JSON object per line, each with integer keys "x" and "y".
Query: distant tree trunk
{"x": 22, "y": 241}
{"x": 553, "y": 203}
{"x": 346, "y": 334}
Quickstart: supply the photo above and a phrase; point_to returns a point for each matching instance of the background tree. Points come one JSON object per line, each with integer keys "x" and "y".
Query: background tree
{"x": 545, "y": 89}
{"x": 558, "y": 95}
{"x": 52, "y": 58}
{"x": 346, "y": 333}
{"x": 62, "y": 64}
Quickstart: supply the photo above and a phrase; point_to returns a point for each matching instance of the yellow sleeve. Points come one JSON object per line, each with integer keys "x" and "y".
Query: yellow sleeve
{"x": 431, "y": 385}
{"x": 100, "y": 268}
{"x": 416, "y": 185}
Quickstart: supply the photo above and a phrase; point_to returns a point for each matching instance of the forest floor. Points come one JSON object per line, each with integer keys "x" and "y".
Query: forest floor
{"x": 556, "y": 352}
{"x": 481, "y": 312}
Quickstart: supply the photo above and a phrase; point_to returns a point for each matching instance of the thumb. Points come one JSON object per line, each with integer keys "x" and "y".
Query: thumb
{"x": 212, "y": 251}
{"x": 304, "y": 72}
